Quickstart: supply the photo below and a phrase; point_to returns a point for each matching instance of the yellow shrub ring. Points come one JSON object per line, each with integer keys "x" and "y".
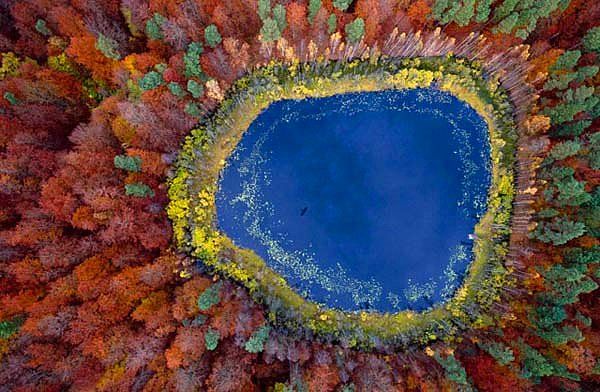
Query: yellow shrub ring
{"x": 193, "y": 214}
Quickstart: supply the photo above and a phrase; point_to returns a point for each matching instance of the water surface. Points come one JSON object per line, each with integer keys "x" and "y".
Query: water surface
{"x": 361, "y": 201}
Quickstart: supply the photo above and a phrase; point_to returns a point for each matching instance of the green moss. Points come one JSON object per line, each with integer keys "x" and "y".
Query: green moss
{"x": 192, "y": 208}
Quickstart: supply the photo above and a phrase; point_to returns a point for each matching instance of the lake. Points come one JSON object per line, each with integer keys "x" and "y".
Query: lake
{"x": 361, "y": 201}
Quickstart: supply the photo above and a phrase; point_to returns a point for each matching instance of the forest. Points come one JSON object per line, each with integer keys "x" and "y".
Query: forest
{"x": 111, "y": 278}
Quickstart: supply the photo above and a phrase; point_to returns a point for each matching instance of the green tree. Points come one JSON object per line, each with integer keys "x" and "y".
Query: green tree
{"x": 483, "y": 10}
{"x": 573, "y": 129}
{"x": 565, "y": 149}
{"x": 594, "y": 151}
{"x": 331, "y": 24}
{"x": 191, "y": 60}
{"x": 589, "y": 71}
{"x": 211, "y": 339}
{"x": 124, "y": 162}
{"x": 583, "y": 255}
{"x": 571, "y": 192}
{"x": 504, "y": 9}
{"x": 138, "y": 189}
{"x": 10, "y": 327}
{"x": 212, "y": 36}
{"x": 342, "y": 5}
{"x": 154, "y": 26}
{"x": 591, "y": 40}
{"x": 560, "y": 81}
{"x": 42, "y": 28}
{"x": 176, "y": 89}
{"x": 355, "y": 30}
{"x": 195, "y": 88}
{"x": 589, "y": 213}
{"x": 256, "y": 342}
{"x": 566, "y": 61}
{"x": 313, "y": 8}
{"x": 558, "y": 273}
{"x": 548, "y": 213}
{"x": 576, "y": 102}
{"x": 151, "y": 81}
{"x": 535, "y": 365}
{"x": 264, "y": 9}
{"x": 192, "y": 109}
{"x": 559, "y": 231}
{"x": 563, "y": 292}
{"x": 507, "y": 24}
{"x": 465, "y": 13}
{"x": 454, "y": 370}
{"x": 270, "y": 30}
{"x": 500, "y": 352}
{"x": 108, "y": 47}
{"x": 545, "y": 317}
{"x": 558, "y": 336}
{"x": 209, "y": 297}
{"x": 279, "y": 14}
{"x": 10, "y": 97}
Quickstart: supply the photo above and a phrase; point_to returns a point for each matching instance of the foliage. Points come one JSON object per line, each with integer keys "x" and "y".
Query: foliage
{"x": 10, "y": 97}
{"x": 154, "y": 27}
{"x": 559, "y": 231}
{"x": 9, "y": 327}
{"x": 176, "y": 89}
{"x": 355, "y": 30}
{"x": 191, "y": 60}
{"x": 454, "y": 370}
{"x": 209, "y": 297}
{"x": 565, "y": 149}
{"x": 501, "y": 353}
{"x": 274, "y": 20}
{"x": 129, "y": 163}
{"x": 10, "y": 65}
{"x": 91, "y": 276}
{"x": 138, "y": 189}
{"x": 313, "y": 7}
{"x": 279, "y": 14}
{"x": 151, "y": 80}
{"x": 342, "y": 5}
{"x": 192, "y": 109}
{"x": 257, "y": 341}
{"x": 331, "y": 24}
{"x": 212, "y": 36}
{"x": 270, "y": 30}
{"x": 536, "y": 365}
{"x": 195, "y": 88}
{"x": 567, "y": 60}
{"x": 591, "y": 40}
{"x": 42, "y": 28}
{"x": 264, "y": 9}
{"x": 108, "y": 47}
{"x": 211, "y": 339}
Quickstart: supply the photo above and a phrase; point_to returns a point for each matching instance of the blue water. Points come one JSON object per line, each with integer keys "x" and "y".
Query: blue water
{"x": 361, "y": 201}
